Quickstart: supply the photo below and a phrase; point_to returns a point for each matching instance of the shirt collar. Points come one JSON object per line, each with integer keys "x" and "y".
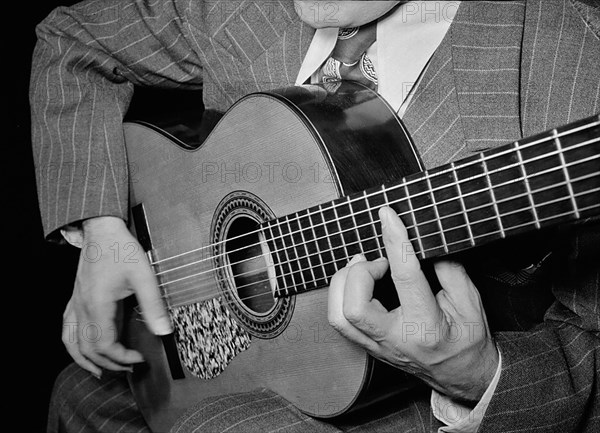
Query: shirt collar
{"x": 406, "y": 39}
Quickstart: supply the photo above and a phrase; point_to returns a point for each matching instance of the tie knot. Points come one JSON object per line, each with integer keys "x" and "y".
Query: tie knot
{"x": 349, "y": 60}
{"x": 353, "y": 42}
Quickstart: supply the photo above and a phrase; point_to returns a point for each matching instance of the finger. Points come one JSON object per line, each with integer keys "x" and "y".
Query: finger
{"x": 71, "y": 342}
{"x": 359, "y": 307}
{"x": 414, "y": 292}
{"x": 102, "y": 339}
{"x": 83, "y": 362}
{"x": 455, "y": 281}
{"x": 92, "y": 354}
{"x": 118, "y": 353}
{"x": 452, "y": 276}
{"x": 89, "y": 348}
{"x": 335, "y": 300}
{"x": 335, "y": 312}
{"x": 151, "y": 302}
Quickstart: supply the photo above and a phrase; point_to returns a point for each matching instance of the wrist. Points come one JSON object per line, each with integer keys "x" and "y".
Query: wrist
{"x": 102, "y": 224}
{"x": 477, "y": 375}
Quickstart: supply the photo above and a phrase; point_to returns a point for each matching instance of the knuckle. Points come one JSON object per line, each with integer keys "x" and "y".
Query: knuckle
{"x": 103, "y": 348}
{"x": 402, "y": 276}
{"x": 86, "y": 351}
{"x": 82, "y": 363}
{"x": 335, "y": 320}
{"x": 353, "y": 313}
{"x": 339, "y": 276}
{"x": 454, "y": 265}
{"x": 359, "y": 267}
{"x": 430, "y": 344}
{"x": 67, "y": 340}
{"x": 450, "y": 269}
{"x": 335, "y": 324}
{"x": 331, "y": 318}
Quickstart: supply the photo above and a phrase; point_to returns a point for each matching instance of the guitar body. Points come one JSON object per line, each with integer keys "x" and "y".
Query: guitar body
{"x": 272, "y": 154}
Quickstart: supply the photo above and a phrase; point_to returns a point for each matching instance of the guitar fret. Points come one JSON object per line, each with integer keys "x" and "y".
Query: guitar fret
{"x": 319, "y": 254}
{"x": 337, "y": 220}
{"x": 527, "y": 186}
{"x": 542, "y": 181}
{"x": 360, "y": 245}
{"x": 277, "y": 252}
{"x": 386, "y": 202}
{"x": 269, "y": 257}
{"x": 379, "y": 245}
{"x": 565, "y": 172}
{"x": 289, "y": 262}
{"x": 493, "y": 196}
{"x": 334, "y": 235}
{"x": 328, "y": 238}
{"x": 321, "y": 226}
{"x": 436, "y": 211}
{"x": 462, "y": 204}
{"x": 415, "y": 225}
{"x": 287, "y": 220}
{"x": 386, "y": 199}
{"x": 304, "y": 244}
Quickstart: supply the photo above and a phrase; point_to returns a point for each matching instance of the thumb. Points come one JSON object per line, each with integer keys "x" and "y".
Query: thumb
{"x": 151, "y": 302}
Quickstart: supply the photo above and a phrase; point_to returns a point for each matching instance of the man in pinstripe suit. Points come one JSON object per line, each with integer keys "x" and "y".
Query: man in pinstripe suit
{"x": 502, "y": 70}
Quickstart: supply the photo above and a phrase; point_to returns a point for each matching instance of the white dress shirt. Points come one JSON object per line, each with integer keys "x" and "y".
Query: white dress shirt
{"x": 406, "y": 39}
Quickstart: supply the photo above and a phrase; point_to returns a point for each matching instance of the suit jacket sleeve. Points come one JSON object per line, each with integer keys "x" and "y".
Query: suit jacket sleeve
{"x": 85, "y": 64}
{"x": 549, "y": 377}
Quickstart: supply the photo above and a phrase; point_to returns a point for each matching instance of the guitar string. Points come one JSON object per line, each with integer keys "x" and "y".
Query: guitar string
{"x": 370, "y": 209}
{"x": 194, "y": 298}
{"x": 515, "y": 147}
{"x": 436, "y": 233}
{"x": 364, "y": 240}
{"x": 376, "y": 237}
{"x": 413, "y": 211}
{"x": 371, "y": 225}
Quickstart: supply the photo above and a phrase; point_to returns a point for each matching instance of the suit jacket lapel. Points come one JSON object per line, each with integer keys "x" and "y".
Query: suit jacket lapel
{"x": 433, "y": 117}
{"x": 468, "y": 98}
{"x": 561, "y": 60}
{"x": 486, "y": 47}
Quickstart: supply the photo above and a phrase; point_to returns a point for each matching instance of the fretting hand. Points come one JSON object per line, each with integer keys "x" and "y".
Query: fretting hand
{"x": 444, "y": 339}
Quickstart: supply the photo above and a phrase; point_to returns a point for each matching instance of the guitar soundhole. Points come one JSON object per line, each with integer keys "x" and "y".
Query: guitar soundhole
{"x": 248, "y": 266}
{"x": 244, "y": 268}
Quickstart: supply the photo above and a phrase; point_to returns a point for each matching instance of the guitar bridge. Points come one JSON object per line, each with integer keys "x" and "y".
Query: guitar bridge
{"x": 142, "y": 232}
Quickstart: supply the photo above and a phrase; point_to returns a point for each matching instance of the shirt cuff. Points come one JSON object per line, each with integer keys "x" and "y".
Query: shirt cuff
{"x": 73, "y": 234}
{"x": 459, "y": 418}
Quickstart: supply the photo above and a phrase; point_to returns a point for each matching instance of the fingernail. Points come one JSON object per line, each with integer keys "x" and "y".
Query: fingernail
{"x": 357, "y": 258}
{"x": 163, "y": 326}
{"x": 384, "y": 216}
{"x": 97, "y": 376}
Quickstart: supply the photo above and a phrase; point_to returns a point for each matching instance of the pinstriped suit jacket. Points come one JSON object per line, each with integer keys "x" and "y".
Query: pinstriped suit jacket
{"x": 504, "y": 70}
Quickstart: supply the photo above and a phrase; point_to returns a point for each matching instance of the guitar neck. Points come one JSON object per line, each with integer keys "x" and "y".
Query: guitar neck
{"x": 548, "y": 179}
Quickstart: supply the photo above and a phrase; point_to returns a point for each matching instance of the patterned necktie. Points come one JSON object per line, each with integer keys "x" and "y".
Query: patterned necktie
{"x": 349, "y": 60}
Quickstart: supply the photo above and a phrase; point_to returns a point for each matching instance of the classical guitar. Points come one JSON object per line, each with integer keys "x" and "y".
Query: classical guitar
{"x": 245, "y": 231}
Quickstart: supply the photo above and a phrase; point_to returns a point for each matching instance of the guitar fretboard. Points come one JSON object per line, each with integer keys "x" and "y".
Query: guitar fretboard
{"x": 545, "y": 180}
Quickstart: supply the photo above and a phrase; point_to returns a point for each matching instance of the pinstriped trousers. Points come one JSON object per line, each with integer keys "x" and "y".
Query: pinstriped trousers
{"x": 81, "y": 403}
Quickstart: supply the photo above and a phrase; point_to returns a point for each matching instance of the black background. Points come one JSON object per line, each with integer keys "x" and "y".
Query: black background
{"x": 41, "y": 274}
